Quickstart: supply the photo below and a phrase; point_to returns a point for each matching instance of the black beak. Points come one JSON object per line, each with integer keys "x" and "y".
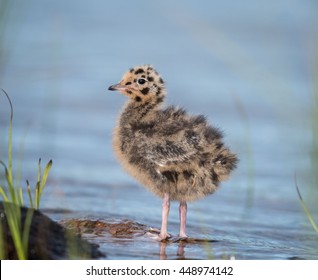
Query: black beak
{"x": 118, "y": 87}
{"x": 113, "y": 87}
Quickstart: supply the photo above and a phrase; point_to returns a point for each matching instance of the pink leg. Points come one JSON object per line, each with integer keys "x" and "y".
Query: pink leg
{"x": 165, "y": 212}
{"x": 183, "y": 218}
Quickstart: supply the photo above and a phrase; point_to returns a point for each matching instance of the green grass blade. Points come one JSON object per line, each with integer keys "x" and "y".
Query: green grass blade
{"x": 10, "y": 135}
{"x": 26, "y": 229}
{"x": 10, "y": 103}
{"x": 13, "y": 213}
{"x": 11, "y": 186}
{"x": 9, "y": 169}
{"x": 39, "y": 170}
{"x": 10, "y": 152}
{"x": 304, "y": 206}
{"x": 46, "y": 174}
{"x": 2, "y": 192}
{"x": 44, "y": 178}
{"x": 9, "y": 182}
{"x": 18, "y": 173}
{"x": 20, "y": 196}
{"x": 37, "y": 195}
{"x": 30, "y": 194}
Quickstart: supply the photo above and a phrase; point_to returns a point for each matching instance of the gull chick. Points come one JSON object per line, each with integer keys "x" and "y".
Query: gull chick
{"x": 175, "y": 155}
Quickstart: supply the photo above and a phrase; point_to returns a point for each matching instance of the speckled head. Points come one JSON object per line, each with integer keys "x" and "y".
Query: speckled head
{"x": 142, "y": 84}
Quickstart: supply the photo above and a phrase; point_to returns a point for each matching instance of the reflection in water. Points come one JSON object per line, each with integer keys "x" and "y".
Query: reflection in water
{"x": 180, "y": 250}
{"x": 162, "y": 252}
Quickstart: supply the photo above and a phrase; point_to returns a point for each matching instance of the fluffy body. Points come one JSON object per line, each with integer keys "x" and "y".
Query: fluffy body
{"x": 165, "y": 149}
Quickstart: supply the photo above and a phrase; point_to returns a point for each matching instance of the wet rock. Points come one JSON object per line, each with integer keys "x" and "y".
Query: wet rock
{"x": 47, "y": 239}
{"x": 123, "y": 228}
{"x": 116, "y": 228}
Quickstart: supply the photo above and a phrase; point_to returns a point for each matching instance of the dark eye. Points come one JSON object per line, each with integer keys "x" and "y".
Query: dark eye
{"x": 141, "y": 81}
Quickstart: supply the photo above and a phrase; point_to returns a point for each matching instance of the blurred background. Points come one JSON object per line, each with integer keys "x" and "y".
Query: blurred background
{"x": 251, "y": 67}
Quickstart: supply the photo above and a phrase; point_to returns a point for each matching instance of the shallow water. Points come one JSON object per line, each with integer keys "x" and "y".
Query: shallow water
{"x": 248, "y": 68}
